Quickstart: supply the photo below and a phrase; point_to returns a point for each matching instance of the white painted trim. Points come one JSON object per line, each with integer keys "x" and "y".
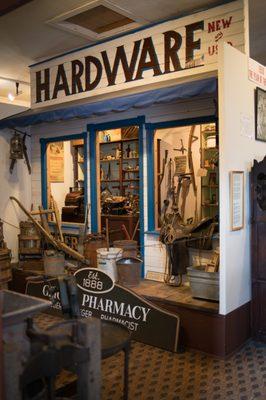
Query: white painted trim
{"x": 246, "y": 27}
{"x": 22, "y": 103}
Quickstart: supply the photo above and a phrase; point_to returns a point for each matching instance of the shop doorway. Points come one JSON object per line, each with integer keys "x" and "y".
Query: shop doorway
{"x": 118, "y": 181}
{"x": 64, "y": 176}
{"x": 184, "y": 206}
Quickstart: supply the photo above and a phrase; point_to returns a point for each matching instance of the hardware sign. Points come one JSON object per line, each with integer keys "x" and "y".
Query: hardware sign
{"x": 167, "y": 51}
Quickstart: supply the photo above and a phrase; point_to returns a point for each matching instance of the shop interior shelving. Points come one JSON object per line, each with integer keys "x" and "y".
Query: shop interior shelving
{"x": 210, "y": 164}
{"x": 119, "y": 167}
{"x": 78, "y": 161}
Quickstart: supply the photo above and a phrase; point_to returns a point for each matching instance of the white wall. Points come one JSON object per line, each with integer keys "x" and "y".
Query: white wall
{"x": 236, "y": 101}
{"x": 18, "y": 185}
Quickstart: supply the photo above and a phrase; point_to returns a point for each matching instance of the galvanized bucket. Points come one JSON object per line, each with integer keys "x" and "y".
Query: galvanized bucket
{"x": 129, "y": 271}
{"x": 204, "y": 285}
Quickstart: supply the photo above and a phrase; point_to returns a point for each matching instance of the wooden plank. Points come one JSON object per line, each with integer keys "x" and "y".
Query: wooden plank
{"x": 57, "y": 219}
{"x": 89, "y": 373}
{"x": 40, "y": 212}
{"x": 44, "y": 220}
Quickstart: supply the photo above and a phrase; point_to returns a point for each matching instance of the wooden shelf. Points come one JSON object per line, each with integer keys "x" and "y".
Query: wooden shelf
{"x": 210, "y": 205}
{"x": 210, "y": 133}
{"x": 110, "y": 180}
{"x": 119, "y": 141}
{"x": 211, "y": 148}
{"x": 112, "y": 159}
{"x": 121, "y": 185}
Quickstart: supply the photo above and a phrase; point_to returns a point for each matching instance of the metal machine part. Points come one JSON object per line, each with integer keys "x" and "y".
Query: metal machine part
{"x": 18, "y": 150}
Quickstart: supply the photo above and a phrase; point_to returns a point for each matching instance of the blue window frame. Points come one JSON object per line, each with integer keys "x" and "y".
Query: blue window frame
{"x": 44, "y": 142}
{"x": 93, "y": 129}
{"x": 150, "y": 133}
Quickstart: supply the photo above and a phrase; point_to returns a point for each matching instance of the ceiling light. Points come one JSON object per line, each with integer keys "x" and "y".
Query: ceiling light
{"x": 11, "y": 97}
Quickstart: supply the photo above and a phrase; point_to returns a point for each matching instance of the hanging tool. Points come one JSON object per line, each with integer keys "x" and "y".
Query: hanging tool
{"x": 125, "y": 231}
{"x": 182, "y": 149}
{"x": 161, "y": 175}
{"x": 18, "y": 149}
{"x": 135, "y": 230}
{"x": 108, "y": 176}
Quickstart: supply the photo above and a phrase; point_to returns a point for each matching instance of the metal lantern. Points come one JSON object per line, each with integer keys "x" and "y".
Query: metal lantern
{"x": 16, "y": 147}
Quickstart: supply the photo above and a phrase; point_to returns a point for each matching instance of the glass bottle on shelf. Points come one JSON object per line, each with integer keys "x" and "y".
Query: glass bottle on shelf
{"x": 128, "y": 151}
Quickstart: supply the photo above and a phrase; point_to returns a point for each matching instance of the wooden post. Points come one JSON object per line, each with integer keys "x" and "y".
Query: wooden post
{"x": 1, "y": 349}
{"x": 89, "y": 373}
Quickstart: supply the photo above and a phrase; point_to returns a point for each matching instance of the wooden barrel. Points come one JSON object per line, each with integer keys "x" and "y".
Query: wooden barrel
{"x": 29, "y": 239}
{"x": 91, "y": 244}
{"x": 130, "y": 247}
{"x": 54, "y": 262}
{"x": 5, "y": 267}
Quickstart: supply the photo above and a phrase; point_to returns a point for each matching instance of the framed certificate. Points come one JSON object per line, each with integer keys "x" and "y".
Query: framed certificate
{"x": 237, "y": 200}
{"x": 260, "y": 114}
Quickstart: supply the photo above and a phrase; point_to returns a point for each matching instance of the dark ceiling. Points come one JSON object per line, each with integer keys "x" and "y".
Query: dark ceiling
{"x": 7, "y": 6}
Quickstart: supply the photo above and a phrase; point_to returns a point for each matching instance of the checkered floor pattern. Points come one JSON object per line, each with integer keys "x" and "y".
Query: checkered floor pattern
{"x": 155, "y": 374}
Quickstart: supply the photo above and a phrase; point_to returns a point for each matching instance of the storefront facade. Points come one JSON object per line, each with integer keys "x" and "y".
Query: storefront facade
{"x": 166, "y": 77}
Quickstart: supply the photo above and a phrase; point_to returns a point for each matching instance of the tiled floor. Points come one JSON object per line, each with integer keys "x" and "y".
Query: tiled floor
{"x": 155, "y": 374}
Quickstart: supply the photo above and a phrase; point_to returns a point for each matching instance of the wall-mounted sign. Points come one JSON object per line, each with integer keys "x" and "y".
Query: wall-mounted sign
{"x": 257, "y": 73}
{"x": 100, "y": 297}
{"x": 55, "y": 162}
{"x": 167, "y": 51}
{"x": 237, "y": 200}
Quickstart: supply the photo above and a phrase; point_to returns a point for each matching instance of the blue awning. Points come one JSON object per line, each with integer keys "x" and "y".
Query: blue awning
{"x": 119, "y": 104}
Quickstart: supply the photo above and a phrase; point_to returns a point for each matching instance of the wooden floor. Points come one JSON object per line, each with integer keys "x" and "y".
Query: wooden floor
{"x": 153, "y": 290}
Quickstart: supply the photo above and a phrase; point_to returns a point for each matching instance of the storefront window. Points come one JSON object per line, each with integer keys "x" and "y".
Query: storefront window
{"x": 65, "y": 179}
{"x": 186, "y": 174}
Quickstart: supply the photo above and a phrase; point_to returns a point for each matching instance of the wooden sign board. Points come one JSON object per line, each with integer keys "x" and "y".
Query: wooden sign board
{"x": 165, "y": 52}
{"x": 100, "y": 297}
{"x": 55, "y": 162}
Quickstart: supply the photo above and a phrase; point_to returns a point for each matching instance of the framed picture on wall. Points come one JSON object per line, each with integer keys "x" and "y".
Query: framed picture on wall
{"x": 260, "y": 114}
{"x": 237, "y": 200}
{"x": 55, "y": 162}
